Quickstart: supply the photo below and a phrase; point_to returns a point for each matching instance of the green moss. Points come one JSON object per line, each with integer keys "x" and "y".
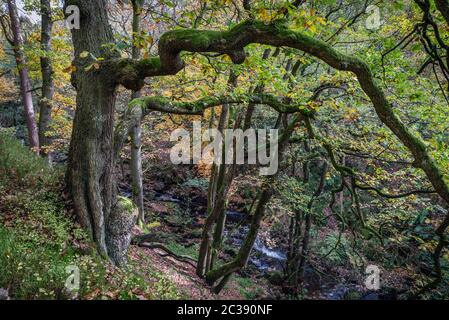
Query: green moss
{"x": 198, "y": 39}
{"x": 191, "y": 251}
{"x": 126, "y": 204}
{"x": 248, "y": 288}
{"x": 150, "y": 63}
{"x": 138, "y": 103}
{"x": 157, "y": 100}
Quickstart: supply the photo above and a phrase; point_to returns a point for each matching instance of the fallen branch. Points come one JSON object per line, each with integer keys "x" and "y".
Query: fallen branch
{"x": 181, "y": 258}
{"x": 149, "y": 237}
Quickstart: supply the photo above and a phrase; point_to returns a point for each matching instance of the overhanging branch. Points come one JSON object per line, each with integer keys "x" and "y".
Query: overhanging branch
{"x": 139, "y": 108}
{"x": 198, "y": 107}
{"x": 131, "y": 73}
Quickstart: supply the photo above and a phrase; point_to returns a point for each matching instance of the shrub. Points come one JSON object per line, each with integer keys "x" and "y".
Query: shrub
{"x": 21, "y": 167}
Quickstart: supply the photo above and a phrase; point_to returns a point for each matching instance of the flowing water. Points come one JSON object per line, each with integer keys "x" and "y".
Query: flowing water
{"x": 263, "y": 257}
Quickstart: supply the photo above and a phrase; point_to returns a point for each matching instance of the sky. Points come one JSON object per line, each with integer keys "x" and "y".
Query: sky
{"x": 34, "y": 17}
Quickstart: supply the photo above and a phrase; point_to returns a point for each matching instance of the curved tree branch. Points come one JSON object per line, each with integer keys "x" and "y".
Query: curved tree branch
{"x": 131, "y": 73}
{"x": 198, "y": 107}
{"x": 393, "y": 196}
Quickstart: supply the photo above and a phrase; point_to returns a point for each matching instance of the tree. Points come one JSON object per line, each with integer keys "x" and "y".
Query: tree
{"x": 16, "y": 41}
{"x": 91, "y": 162}
{"x": 136, "y": 131}
{"x": 90, "y": 170}
{"x": 47, "y": 73}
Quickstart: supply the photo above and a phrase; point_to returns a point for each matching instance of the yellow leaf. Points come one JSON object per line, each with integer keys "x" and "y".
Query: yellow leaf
{"x": 84, "y": 54}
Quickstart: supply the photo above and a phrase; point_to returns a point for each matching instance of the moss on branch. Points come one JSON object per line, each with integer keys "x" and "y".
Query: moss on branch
{"x": 277, "y": 33}
{"x": 199, "y": 106}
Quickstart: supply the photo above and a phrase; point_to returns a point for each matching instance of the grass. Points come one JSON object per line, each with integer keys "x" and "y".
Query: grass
{"x": 179, "y": 249}
{"x": 248, "y": 288}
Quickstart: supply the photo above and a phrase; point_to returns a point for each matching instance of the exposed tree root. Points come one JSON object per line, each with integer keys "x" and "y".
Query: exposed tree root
{"x": 160, "y": 246}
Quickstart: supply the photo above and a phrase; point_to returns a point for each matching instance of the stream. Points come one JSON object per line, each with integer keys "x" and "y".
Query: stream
{"x": 264, "y": 258}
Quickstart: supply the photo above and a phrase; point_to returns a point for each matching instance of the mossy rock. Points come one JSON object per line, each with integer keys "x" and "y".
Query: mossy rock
{"x": 122, "y": 219}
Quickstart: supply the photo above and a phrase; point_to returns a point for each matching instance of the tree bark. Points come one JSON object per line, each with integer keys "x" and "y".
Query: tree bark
{"x": 136, "y": 131}
{"x": 25, "y": 88}
{"x": 91, "y": 162}
{"x": 47, "y": 75}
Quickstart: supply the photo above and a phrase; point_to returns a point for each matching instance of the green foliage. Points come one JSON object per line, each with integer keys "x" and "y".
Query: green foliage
{"x": 179, "y": 249}
{"x": 199, "y": 183}
{"x": 38, "y": 240}
{"x": 248, "y": 288}
{"x": 163, "y": 288}
{"x": 20, "y": 166}
{"x": 339, "y": 250}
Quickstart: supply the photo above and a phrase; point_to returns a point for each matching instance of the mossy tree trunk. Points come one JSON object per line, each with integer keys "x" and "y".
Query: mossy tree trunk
{"x": 91, "y": 163}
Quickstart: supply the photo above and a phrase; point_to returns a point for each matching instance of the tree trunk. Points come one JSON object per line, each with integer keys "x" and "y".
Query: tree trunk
{"x": 25, "y": 88}
{"x": 240, "y": 261}
{"x": 91, "y": 162}
{"x": 225, "y": 271}
{"x": 136, "y": 131}
{"x": 215, "y": 206}
{"x": 47, "y": 75}
{"x": 308, "y": 226}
